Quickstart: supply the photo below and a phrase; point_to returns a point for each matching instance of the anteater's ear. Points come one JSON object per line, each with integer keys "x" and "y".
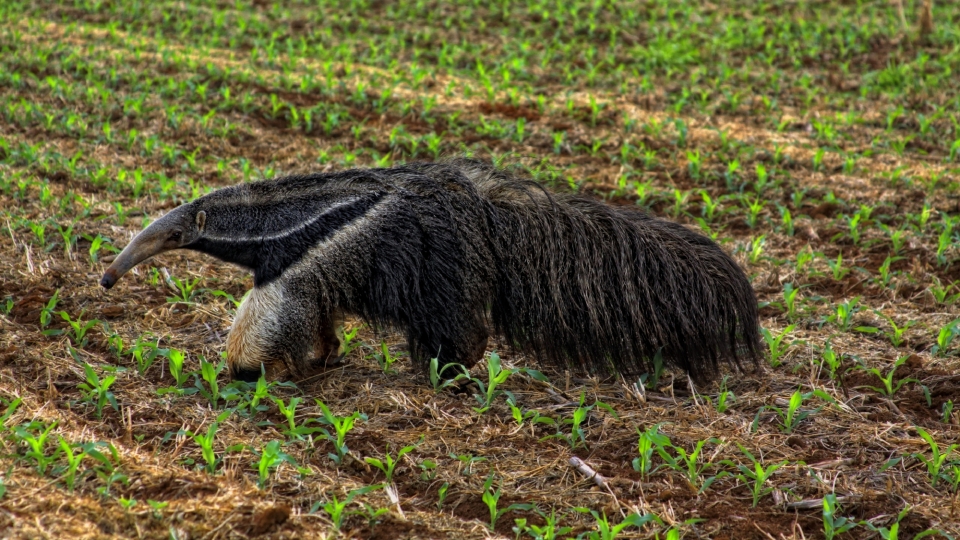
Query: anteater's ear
{"x": 201, "y": 220}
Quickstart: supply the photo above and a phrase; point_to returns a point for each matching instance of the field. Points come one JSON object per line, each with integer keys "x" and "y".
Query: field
{"x": 818, "y": 142}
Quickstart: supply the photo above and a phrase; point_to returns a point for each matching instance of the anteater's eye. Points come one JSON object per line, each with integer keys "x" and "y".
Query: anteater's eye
{"x": 175, "y": 235}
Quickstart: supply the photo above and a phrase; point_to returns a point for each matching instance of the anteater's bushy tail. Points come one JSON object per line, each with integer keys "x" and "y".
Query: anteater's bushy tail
{"x": 600, "y": 288}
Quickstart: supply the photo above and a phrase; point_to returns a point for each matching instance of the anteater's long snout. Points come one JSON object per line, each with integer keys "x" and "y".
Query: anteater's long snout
{"x": 141, "y": 248}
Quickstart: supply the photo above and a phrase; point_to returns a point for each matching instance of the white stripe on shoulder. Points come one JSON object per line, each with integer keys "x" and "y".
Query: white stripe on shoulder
{"x": 286, "y": 232}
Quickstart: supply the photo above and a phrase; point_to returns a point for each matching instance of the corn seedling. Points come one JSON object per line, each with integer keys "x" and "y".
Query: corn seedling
{"x": 79, "y": 329}
{"x": 689, "y": 464}
{"x": 37, "y": 444}
{"x": 776, "y": 344}
{"x": 832, "y": 523}
{"x": 272, "y": 457}
{"x": 836, "y": 267}
{"x": 549, "y": 530}
{"x": 205, "y": 442}
{"x": 468, "y": 460}
{"x": 606, "y": 531}
{"x": 336, "y": 508}
{"x": 945, "y": 337}
{"x": 843, "y": 314}
{"x": 209, "y": 373}
{"x": 577, "y": 438}
{"x": 491, "y": 497}
{"x": 724, "y": 397}
{"x": 341, "y": 426}
{"x": 937, "y": 458}
{"x": 889, "y": 388}
{"x": 186, "y": 290}
{"x": 791, "y": 415}
{"x": 755, "y": 477}
{"x": 96, "y": 391}
{"x": 650, "y": 440}
{"x": 73, "y": 459}
{"x": 896, "y": 333}
{"x": 496, "y": 376}
{"x": 388, "y": 463}
{"x": 385, "y": 359}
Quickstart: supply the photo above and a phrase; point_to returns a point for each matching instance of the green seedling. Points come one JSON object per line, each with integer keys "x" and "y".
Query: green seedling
{"x": 843, "y": 314}
{"x": 829, "y": 357}
{"x": 519, "y": 416}
{"x": 896, "y": 333}
{"x": 942, "y": 294}
{"x": 650, "y": 440}
{"x": 349, "y": 341}
{"x": 209, "y": 373}
{"x": 289, "y": 412}
{"x": 607, "y": 531}
{"x": 884, "y": 274}
{"x": 937, "y": 458}
{"x": 776, "y": 344}
{"x": 790, "y": 300}
{"x": 385, "y": 359}
{"x": 496, "y": 376}
{"x": 577, "y": 438}
{"x": 272, "y": 457}
{"x": 834, "y": 525}
{"x": 12, "y": 406}
{"x": 205, "y": 442}
{"x": 336, "y": 508}
{"x": 947, "y": 411}
{"x": 106, "y": 470}
{"x": 652, "y": 380}
{"x": 145, "y": 353}
{"x": 836, "y": 267}
{"x": 74, "y": 459}
{"x": 175, "y": 362}
{"x": 468, "y": 460}
{"x": 388, "y": 463}
{"x": 724, "y": 397}
{"x": 550, "y": 530}
{"x": 186, "y": 290}
{"x": 791, "y": 415}
{"x": 945, "y": 337}
{"x": 78, "y": 328}
{"x": 786, "y": 219}
{"x": 96, "y": 391}
{"x": 46, "y": 313}
{"x": 756, "y": 248}
{"x": 341, "y": 426}
{"x": 889, "y": 388}
{"x": 436, "y": 375}
{"x": 491, "y": 497}
{"x": 893, "y": 532}
{"x": 689, "y": 464}
{"x": 37, "y": 444}
{"x": 755, "y": 477}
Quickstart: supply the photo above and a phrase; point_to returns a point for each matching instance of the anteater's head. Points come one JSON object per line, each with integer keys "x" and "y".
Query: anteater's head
{"x": 179, "y": 228}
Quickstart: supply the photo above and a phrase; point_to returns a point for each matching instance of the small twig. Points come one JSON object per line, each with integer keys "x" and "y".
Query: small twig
{"x": 589, "y": 472}
{"x": 693, "y": 391}
{"x": 812, "y": 504}
{"x": 597, "y": 478}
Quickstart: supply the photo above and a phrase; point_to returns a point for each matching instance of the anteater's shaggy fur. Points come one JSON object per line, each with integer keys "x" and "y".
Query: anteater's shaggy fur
{"x": 446, "y": 252}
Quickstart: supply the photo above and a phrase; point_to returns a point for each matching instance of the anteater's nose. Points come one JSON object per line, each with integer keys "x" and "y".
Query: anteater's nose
{"x": 108, "y": 280}
{"x": 245, "y": 374}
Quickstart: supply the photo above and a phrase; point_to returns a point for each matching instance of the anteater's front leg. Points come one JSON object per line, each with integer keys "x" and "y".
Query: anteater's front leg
{"x": 272, "y": 331}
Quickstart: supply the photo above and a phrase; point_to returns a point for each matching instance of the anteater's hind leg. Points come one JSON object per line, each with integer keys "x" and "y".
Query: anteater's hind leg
{"x": 273, "y": 331}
